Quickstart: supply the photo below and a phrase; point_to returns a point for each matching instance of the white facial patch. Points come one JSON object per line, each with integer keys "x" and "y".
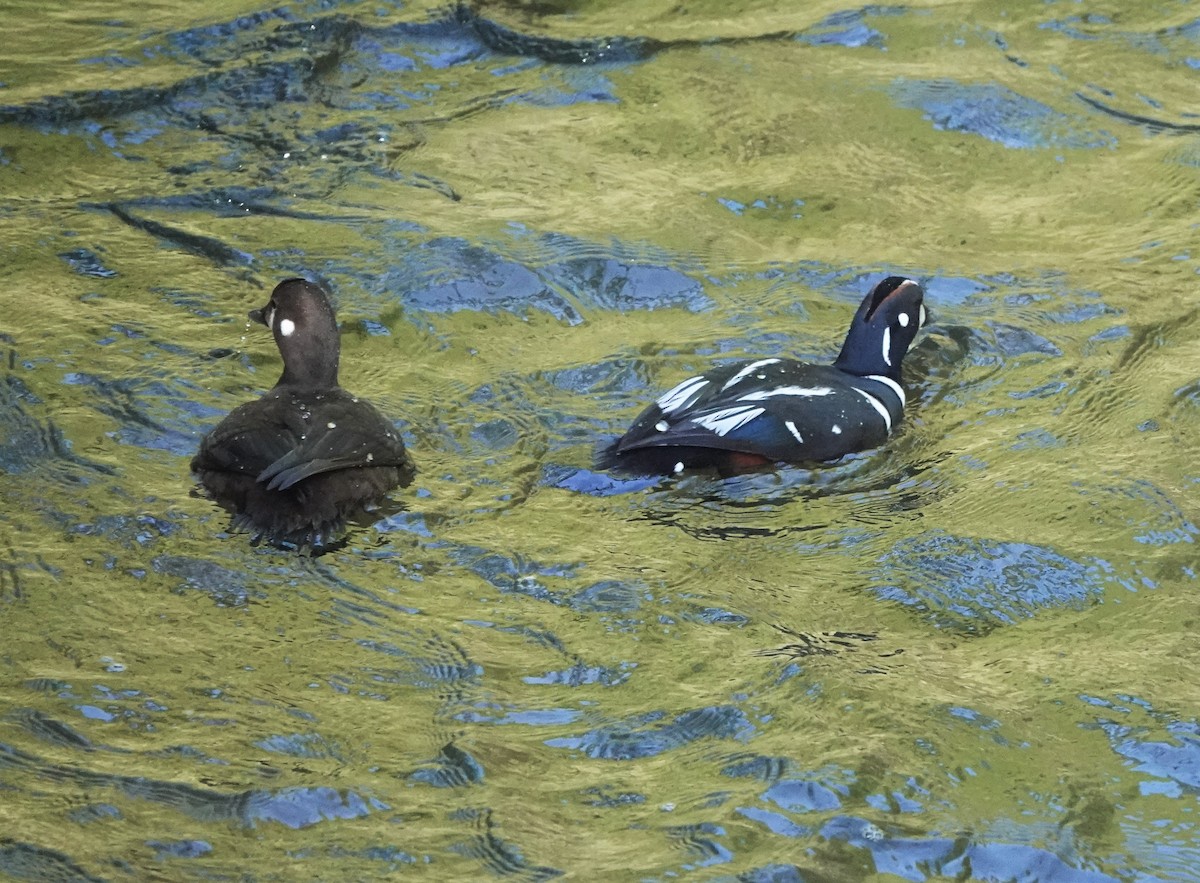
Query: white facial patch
{"x": 878, "y": 406}
{"x": 837, "y": 430}
{"x": 727, "y": 420}
{"x": 662, "y": 425}
{"x": 791, "y": 427}
{"x": 761, "y": 394}
{"x": 887, "y": 346}
{"x": 747, "y": 371}
{"x": 682, "y": 395}
{"x": 286, "y": 327}
{"x": 679, "y": 467}
{"x": 903, "y": 320}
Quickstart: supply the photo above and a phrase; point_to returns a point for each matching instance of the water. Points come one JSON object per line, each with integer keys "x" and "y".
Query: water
{"x": 968, "y": 655}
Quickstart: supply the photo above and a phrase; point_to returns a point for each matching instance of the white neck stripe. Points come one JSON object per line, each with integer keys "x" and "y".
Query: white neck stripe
{"x": 878, "y": 406}
{"x": 890, "y": 384}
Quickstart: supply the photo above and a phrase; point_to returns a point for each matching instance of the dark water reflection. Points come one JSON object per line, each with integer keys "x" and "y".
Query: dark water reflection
{"x": 966, "y": 655}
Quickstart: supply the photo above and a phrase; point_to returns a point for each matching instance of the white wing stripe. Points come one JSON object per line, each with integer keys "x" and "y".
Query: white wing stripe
{"x": 760, "y": 394}
{"x": 727, "y": 420}
{"x": 877, "y": 405}
{"x": 681, "y": 395}
{"x": 747, "y": 371}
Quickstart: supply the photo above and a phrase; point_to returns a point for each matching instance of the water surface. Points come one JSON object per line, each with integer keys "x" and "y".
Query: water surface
{"x": 967, "y": 655}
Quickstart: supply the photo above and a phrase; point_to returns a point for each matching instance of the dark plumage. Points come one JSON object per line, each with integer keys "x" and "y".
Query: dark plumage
{"x": 749, "y": 414}
{"x": 294, "y": 465}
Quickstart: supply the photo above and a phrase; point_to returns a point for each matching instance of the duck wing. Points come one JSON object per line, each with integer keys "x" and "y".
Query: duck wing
{"x": 353, "y": 435}
{"x": 282, "y": 441}
{"x": 773, "y": 408}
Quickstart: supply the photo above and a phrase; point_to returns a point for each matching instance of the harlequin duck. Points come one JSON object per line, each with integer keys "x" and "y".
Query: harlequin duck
{"x": 743, "y": 416}
{"x": 294, "y": 465}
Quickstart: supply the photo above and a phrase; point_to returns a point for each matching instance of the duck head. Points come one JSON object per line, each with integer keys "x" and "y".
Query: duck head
{"x": 883, "y": 329}
{"x": 301, "y": 318}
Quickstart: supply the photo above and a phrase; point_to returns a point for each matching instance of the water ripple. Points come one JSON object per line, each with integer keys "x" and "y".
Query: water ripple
{"x": 998, "y": 114}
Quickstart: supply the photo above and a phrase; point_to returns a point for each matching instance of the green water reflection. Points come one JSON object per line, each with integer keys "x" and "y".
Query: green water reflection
{"x": 967, "y": 654}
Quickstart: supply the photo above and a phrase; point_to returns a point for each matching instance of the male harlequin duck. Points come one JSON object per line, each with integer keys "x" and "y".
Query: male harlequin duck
{"x": 294, "y": 465}
{"x": 743, "y": 416}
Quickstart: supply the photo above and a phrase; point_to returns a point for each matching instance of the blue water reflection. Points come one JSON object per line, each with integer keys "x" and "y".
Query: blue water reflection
{"x": 784, "y": 676}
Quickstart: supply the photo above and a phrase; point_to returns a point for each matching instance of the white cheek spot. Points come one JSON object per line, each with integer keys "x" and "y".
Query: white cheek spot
{"x": 837, "y": 430}
{"x": 370, "y": 458}
{"x": 679, "y": 467}
{"x": 286, "y": 327}
{"x": 331, "y": 425}
{"x": 662, "y": 425}
{"x": 887, "y": 346}
{"x": 903, "y": 320}
{"x": 791, "y": 427}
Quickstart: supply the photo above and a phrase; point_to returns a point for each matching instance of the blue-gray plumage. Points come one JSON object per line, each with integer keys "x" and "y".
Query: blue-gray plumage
{"x": 748, "y": 414}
